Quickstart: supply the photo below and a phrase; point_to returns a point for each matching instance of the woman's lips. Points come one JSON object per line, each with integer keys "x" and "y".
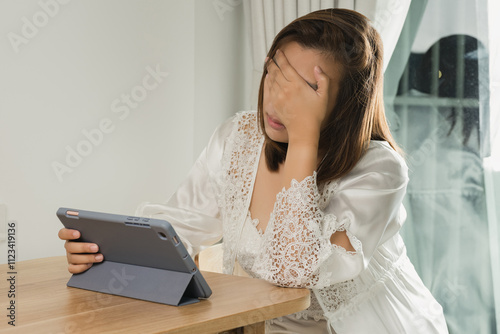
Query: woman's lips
{"x": 274, "y": 123}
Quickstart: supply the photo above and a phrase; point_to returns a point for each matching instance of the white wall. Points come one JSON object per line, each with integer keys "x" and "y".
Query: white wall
{"x": 72, "y": 74}
{"x": 223, "y": 65}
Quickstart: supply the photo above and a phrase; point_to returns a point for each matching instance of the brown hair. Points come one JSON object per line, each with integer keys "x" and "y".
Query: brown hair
{"x": 358, "y": 115}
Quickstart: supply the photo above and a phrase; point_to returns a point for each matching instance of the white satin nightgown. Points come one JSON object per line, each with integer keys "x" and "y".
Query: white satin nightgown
{"x": 374, "y": 289}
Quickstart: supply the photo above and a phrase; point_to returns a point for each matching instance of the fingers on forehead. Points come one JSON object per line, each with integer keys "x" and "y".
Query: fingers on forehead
{"x": 270, "y": 63}
{"x": 277, "y": 59}
{"x": 280, "y": 59}
{"x": 286, "y": 68}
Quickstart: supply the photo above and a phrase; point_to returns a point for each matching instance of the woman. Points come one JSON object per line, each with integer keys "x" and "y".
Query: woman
{"x": 307, "y": 191}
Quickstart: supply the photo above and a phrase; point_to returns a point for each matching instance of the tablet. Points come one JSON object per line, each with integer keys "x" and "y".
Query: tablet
{"x": 143, "y": 258}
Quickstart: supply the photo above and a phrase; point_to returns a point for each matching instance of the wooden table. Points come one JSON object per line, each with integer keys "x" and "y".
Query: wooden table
{"x": 44, "y": 304}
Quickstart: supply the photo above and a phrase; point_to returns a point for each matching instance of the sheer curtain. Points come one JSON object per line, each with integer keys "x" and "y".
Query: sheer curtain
{"x": 437, "y": 84}
{"x": 265, "y": 18}
{"x": 492, "y": 163}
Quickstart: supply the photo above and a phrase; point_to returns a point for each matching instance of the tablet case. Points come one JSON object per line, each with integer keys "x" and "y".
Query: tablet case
{"x": 143, "y": 258}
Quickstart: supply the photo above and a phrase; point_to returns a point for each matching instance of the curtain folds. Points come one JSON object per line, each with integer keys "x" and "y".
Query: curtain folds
{"x": 441, "y": 103}
{"x": 492, "y": 163}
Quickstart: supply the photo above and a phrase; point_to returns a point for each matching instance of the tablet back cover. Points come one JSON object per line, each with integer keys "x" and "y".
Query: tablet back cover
{"x": 134, "y": 241}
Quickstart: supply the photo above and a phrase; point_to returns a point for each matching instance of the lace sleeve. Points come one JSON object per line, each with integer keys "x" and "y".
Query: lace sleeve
{"x": 297, "y": 240}
{"x": 297, "y": 251}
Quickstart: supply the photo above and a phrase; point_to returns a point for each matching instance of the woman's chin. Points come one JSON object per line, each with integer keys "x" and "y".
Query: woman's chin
{"x": 280, "y": 136}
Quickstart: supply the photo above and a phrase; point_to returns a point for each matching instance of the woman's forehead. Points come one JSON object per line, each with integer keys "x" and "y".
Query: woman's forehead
{"x": 303, "y": 61}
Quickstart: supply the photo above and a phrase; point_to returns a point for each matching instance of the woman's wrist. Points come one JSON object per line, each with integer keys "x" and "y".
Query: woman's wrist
{"x": 301, "y": 159}
{"x": 303, "y": 141}
{"x": 304, "y": 135}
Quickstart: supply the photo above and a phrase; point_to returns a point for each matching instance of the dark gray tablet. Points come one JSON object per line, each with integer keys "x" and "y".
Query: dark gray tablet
{"x": 143, "y": 258}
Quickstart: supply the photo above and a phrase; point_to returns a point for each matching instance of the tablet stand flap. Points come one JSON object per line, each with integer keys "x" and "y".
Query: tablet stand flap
{"x": 151, "y": 284}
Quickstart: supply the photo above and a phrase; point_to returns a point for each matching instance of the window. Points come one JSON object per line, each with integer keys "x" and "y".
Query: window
{"x": 438, "y": 104}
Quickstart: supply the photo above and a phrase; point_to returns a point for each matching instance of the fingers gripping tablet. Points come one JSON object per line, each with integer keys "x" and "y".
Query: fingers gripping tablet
{"x": 143, "y": 258}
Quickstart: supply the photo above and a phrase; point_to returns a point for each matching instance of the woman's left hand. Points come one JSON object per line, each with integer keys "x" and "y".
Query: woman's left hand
{"x": 298, "y": 106}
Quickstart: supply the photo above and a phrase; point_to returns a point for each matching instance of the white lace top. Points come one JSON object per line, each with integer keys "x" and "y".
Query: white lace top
{"x": 374, "y": 289}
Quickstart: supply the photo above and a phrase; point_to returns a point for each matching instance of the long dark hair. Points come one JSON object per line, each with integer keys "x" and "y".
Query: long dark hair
{"x": 358, "y": 115}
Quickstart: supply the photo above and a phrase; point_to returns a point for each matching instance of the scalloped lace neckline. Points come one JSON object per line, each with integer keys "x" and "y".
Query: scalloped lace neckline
{"x": 255, "y": 223}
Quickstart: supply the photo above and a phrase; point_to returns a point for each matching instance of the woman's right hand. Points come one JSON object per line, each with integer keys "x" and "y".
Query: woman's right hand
{"x": 81, "y": 255}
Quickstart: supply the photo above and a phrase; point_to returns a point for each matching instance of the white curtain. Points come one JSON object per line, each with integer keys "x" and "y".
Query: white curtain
{"x": 494, "y": 47}
{"x": 492, "y": 163}
{"x": 266, "y": 18}
{"x": 443, "y": 110}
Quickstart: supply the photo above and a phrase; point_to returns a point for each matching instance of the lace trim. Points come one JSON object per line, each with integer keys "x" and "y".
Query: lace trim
{"x": 297, "y": 239}
{"x": 314, "y": 311}
{"x": 246, "y": 258}
{"x": 255, "y": 223}
{"x": 338, "y": 295}
{"x": 242, "y": 150}
{"x": 342, "y": 226}
{"x": 326, "y": 191}
{"x": 343, "y": 298}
